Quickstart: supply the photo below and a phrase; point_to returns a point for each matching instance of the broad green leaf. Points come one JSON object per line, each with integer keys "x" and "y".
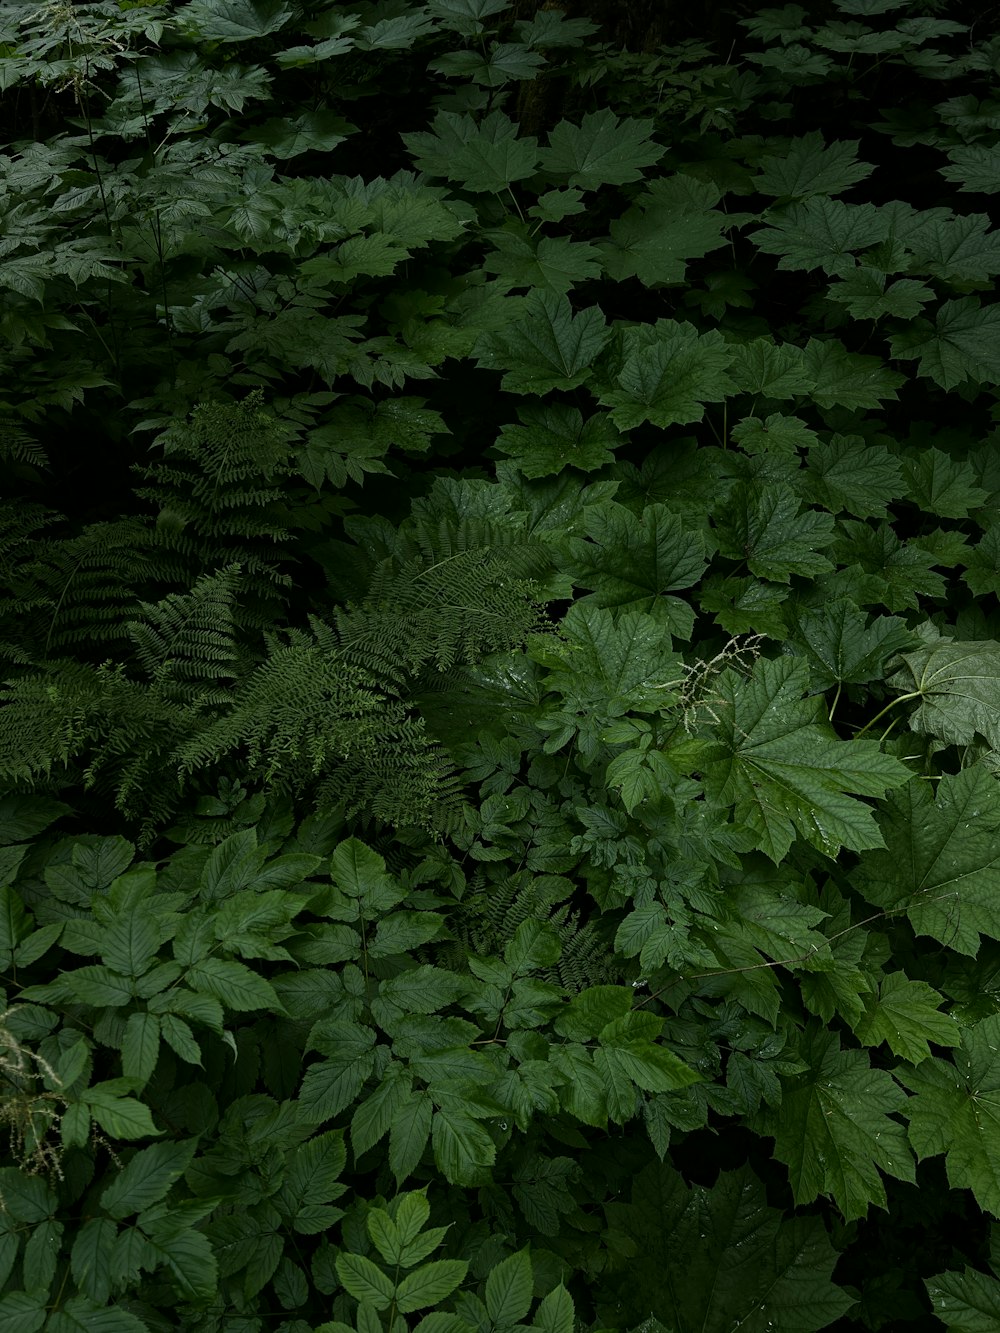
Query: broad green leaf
{"x": 804, "y": 167}
{"x": 505, "y": 61}
{"x": 958, "y": 686}
{"x": 846, "y": 474}
{"x": 484, "y": 158}
{"x": 839, "y": 378}
{"x": 784, "y": 771}
{"x": 314, "y": 1171}
{"x": 962, "y": 344}
{"x": 130, "y": 941}
{"x": 549, "y": 347}
{"x": 956, "y": 1111}
{"x": 555, "y": 1313}
{"x": 898, "y": 573}
{"x": 720, "y": 1258}
{"x": 957, "y": 250}
{"x": 79, "y": 1314}
{"x": 671, "y": 222}
{"x": 865, "y": 295}
{"x": 373, "y": 1117}
{"x": 121, "y": 1117}
{"x": 764, "y": 525}
{"x": 535, "y": 944}
{"x": 554, "y": 436}
{"x": 233, "y": 20}
{"x": 769, "y": 370}
{"x": 582, "y": 1092}
{"x": 429, "y": 1285}
{"x": 941, "y": 485}
{"x": 463, "y": 1149}
{"x": 553, "y": 263}
{"x": 601, "y": 150}
{"x": 820, "y": 233}
{"x": 649, "y": 1066}
{"x": 365, "y": 1280}
{"x": 841, "y": 647}
{"x": 906, "y": 1015}
{"x": 941, "y": 858}
{"x": 968, "y": 1302}
{"x": 632, "y": 561}
{"x": 509, "y": 1289}
{"x": 310, "y": 132}
{"x": 333, "y": 1084}
{"x": 776, "y": 434}
{"x": 100, "y": 986}
{"x": 982, "y": 572}
{"x": 180, "y": 1038}
{"x": 147, "y": 1177}
{"x": 592, "y": 1010}
{"x": 237, "y": 986}
{"x": 666, "y": 374}
{"x": 975, "y": 166}
{"x": 834, "y": 1131}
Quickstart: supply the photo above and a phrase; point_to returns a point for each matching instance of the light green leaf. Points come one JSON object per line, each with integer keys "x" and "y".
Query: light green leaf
{"x": 666, "y": 374}
{"x": 806, "y": 166}
{"x": 509, "y": 1289}
{"x": 121, "y": 1117}
{"x": 958, "y": 685}
{"x": 555, "y": 1313}
{"x": 549, "y": 347}
{"x": 601, "y": 150}
{"x": 906, "y": 1015}
{"x": 942, "y": 858}
{"x": 233, "y": 20}
{"x": 956, "y": 1111}
{"x": 148, "y": 1177}
{"x": 783, "y": 770}
{"x": 834, "y": 1131}
{"x": 430, "y": 1284}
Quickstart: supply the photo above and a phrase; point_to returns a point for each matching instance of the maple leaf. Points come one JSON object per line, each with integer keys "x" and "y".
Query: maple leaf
{"x": 941, "y": 858}
{"x": 956, "y": 1111}
{"x": 601, "y": 150}
{"x": 963, "y": 343}
{"x": 906, "y": 1015}
{"x": 667, "y": 372}
{"x": 765, "y": 525}
{"x": 784, "y": 771}
{"x": 484, "y": 157}
{"x": 845, "y": 473}
{"x": 821, "y": 233}
{"x": 550, "y": 347}
{"x": 553, "y": 436}
{"x": 672, "y": 222}
{"x": 833, "y": 1129}
{"x": 803, "y": 167}
{"x": 840, "y": 645}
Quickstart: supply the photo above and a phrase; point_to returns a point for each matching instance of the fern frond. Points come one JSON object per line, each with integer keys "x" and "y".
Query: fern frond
{"x": 17, "y": 446}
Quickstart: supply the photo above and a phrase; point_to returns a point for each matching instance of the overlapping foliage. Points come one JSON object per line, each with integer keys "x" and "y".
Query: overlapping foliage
{"x": 518, "y": 850}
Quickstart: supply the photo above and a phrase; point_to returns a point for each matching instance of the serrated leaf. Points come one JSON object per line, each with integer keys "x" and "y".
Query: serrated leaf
{"x": 408, "y": 1135}
{"x": 484, "y": 157}
{"x": 552, "y": 263}
{"x": 820, "y": 233}
{"x": 807, "y": 166}
{"x": 720, "y": 1258}
{"x": 509, "y": 1289}
{"x": 237, "y": 986}
{"x": 865, "y": 295}
{"x": 941, "y": 485}
{"x": 671, "y": 222}
{"x": 842, "y": 647}
{"x": 941, "y": 858}
{"x": 121, "y": 1117}
{"x": 906, "y": 1015}
{"x": 430, "y": 1284}
{"x": 140, "y": 1046}
{"x": 601, "y": 150}
{"x": 834, "y": 1130}
{"x": 549, "y": 347}
{"x": 784, "y": 772}
{"x": 365, "y": 1281}
{"x": 667, "y": 373}
{"x": 554, "y": 436}
{"x": 962, "y": 344}
{"x": 765, "y": 525}
{"x": 234, "y": 20}
{"x": 80, "y": 1314}
{"x": 769, "y": 370}
{"x": 839, "y": 378}
{"x": 958, "y": 685}
{"x": 975, "y": 166}
{"x": 777, "y": 434}
{"x": 956, "y": 1111}
{"x": 148, "y": 1177}
{"x": 968, "y": 1302}
{"x": 463, "y": 1149}
{"x": 846, "y": 474}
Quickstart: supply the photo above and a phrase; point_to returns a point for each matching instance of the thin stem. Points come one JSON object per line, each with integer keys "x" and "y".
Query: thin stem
{"x": 902, "y": 698}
